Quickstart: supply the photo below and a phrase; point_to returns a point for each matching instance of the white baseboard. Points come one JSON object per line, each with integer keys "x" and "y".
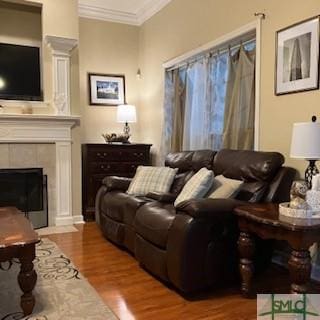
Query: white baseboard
{"x": 63, "y": 221}
{"x": 69, "y": 221}
{"x": 78, "y": 219}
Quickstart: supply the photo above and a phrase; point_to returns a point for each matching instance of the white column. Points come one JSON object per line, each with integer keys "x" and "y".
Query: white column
{"x": 63, "y": 185}
{"x": 61, "y": 49}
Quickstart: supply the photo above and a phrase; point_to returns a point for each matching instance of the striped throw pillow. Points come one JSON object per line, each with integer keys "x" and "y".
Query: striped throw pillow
{"x": 151, "y": 179}
{"x": 197, "y": 187}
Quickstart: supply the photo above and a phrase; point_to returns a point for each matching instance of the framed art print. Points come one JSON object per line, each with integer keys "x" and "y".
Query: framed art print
{"x": 106, "y": 89}
{"x": 297, "y": 57}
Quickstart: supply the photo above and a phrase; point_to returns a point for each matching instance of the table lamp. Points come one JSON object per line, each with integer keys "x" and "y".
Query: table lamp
{"x": 305, "y": 144}
{"x": 126, "y": 114}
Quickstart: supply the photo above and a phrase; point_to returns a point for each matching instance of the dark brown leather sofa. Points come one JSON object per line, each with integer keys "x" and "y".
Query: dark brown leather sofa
{"x": 195, "y": 245}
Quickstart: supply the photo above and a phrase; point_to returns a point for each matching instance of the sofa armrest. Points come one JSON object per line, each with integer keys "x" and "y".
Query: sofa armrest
{"x": 162, "y": 197}
{"x": 116, "y": 183}
{"x": 209, "y": 208}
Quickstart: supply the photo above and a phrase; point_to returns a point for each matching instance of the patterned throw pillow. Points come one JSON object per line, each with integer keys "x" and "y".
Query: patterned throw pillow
{"x": 197, "y": 187}
{"x": 151, "y": 179}
{"x": 223, "y": 188}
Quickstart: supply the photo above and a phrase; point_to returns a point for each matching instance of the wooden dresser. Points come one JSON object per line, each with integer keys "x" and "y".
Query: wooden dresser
{"x": 101, "y": 160}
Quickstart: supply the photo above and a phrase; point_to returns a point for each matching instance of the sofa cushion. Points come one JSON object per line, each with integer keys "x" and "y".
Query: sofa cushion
{"x": 151, "y": 179}
{"x": 224, "y": 187}
{"x": 197, "y": 187}
{"x": 153, "y": 221}
{"x": 121, "y": 206}
{"x": 190, "y": 160}
{"x": 247, "y": 165}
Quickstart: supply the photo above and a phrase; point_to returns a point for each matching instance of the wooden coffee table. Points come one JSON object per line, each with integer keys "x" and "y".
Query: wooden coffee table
{"x": 18, "y": 240}
{"x": 263, "y": 221}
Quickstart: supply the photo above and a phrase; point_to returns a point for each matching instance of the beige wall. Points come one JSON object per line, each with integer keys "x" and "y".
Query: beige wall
{"x": 108, "y": 48}
{"x": 12, "y": 16}
{"x": 185, "y": 24}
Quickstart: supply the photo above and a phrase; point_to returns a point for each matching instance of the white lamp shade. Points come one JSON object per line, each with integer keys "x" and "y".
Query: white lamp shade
{"x": 305, "y": 143}
{"x": 126, "y": 113}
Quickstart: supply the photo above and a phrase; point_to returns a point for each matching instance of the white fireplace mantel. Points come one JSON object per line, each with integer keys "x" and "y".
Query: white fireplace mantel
{"x": 47, "y": 129}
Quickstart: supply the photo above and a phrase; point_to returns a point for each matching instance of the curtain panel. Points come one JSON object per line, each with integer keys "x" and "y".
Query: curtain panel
{"x": 209, "y": 103}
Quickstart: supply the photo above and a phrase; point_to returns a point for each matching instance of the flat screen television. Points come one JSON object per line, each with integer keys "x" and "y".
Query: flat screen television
{"x": 20, "y": 77}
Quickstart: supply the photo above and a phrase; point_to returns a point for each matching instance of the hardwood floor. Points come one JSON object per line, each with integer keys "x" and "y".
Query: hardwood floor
{"x": 132, "y": 293}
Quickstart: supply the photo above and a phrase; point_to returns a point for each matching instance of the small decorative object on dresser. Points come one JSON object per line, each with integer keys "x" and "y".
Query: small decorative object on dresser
{"x": 106, "y": 89}
{"x": 101, "y": 160}
{"x": 114, "y": 137}
{"x": 297, "y": 55}
{"x": 305, "y": 144}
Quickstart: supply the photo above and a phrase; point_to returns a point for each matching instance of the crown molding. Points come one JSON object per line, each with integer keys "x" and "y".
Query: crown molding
{"x": 133, "y": 18}
{"x": 99, "y": 13}
{"x": 153, "y": 7}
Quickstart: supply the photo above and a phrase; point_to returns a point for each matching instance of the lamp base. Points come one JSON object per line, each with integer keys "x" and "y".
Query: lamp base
{"x": 311, "y": 171}
{"x": 126, "y": 129}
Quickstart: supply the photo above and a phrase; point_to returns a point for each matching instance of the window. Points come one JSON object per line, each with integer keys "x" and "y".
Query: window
{"x": 209, "y": 101}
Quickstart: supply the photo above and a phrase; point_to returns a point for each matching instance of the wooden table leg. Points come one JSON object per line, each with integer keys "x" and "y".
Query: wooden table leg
{"x": 27, "y": 278}
{"x": 246, "y": 247}
{"x": 300, "y": 270}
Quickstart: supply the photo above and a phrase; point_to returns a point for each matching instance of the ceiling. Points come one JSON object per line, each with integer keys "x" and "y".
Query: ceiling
{"x": 133, "y": 12}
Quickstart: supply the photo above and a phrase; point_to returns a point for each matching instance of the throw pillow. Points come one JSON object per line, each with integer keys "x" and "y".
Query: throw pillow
{"x": 197, "y": 187}
{"x": 224, "y": 187}
{"x": 151, "y": 179}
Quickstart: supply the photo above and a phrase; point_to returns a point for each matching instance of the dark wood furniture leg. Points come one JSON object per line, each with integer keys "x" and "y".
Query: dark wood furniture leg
{"x": 300, "y": 270}
{"x": 27, "y": 278}
{"x": 246, "y": 247}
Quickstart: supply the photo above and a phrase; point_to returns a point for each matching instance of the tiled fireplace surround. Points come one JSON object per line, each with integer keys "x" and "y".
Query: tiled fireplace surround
{"x": 42, "y": 141}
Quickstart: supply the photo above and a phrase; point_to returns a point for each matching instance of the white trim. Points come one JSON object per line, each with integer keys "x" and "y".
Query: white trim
{"x": 63, "y": 221}
{"x": 78, "y": 219}
{"x": 61, "y": 52}
{"x": 257, "y": 87}
{"x": 133, "y": 18}
{"x": 99, "y": 13}
{"x": 47, "y": 129}
{"x": 145, "y": 13}
{"x": 227, "y": 38}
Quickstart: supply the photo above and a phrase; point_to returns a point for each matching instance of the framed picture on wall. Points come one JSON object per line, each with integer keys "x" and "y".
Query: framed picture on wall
{"x": 297, "y": 57}
{"x": 106, "y": 89}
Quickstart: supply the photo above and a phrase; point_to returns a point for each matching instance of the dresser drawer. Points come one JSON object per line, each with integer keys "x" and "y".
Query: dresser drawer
{"x": 134, "y": 155}
{"x": 113, "y": 168}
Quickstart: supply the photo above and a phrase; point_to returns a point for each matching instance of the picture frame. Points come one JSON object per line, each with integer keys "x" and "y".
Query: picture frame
{"x": 297, "y": 57}
{"x": 106, "y": 89}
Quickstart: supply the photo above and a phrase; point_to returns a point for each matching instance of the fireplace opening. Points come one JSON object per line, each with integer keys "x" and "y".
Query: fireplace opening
{"x": 26, "y": 189}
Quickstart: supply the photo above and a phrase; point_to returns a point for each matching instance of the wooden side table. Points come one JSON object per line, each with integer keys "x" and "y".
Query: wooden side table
{"x": 263, "y": 220}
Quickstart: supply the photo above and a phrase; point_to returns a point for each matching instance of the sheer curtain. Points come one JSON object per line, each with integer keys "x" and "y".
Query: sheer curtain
{"x": 205, "y": 98}
{"x": 199, "y": 111}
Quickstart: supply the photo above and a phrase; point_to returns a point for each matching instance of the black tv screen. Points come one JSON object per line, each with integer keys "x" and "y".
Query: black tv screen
{"x": 20, "y": 77}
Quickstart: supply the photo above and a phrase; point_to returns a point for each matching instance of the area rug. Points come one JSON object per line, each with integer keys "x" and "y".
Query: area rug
{"x": 61, "y": 291}
{"x": 56, "y": 230}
